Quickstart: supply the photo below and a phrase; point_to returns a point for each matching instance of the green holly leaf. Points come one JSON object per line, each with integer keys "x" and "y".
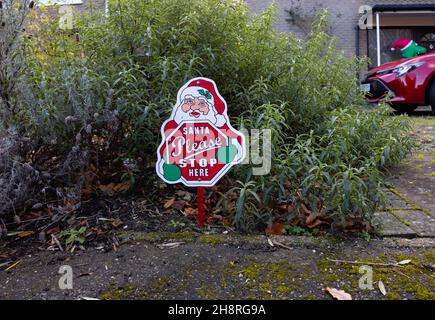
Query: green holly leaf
{"x": 205, "y": 93}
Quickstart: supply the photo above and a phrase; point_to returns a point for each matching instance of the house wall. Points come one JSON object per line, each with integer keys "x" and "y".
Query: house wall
{"x": 343, "y": 17}
{"x": 89, "y": 5}
{"x": 66, "y": 12}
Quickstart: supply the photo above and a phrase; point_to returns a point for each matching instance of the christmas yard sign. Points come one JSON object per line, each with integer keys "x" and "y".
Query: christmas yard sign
{"x": 199, "y": 145}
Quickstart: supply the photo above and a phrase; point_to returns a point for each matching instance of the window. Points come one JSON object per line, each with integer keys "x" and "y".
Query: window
{"x": 423, "y": 36}
{"x": 428, "y": 41}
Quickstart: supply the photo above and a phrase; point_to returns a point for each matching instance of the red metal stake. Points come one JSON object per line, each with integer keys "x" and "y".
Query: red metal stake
{"x": 200, "y": 198}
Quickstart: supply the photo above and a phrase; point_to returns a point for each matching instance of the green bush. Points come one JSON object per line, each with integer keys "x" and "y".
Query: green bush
{"x": 102, "y": 91}
{"x": 135, "y": 60}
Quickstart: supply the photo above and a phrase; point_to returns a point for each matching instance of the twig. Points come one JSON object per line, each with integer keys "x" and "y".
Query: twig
{"x": 403, "y": 274}
{"x": 409, "y": 277}
{"x": 367, "y": 263}
{"x": 31, "y": 220}
{"x": 12, "y": 265}
{"x": 281, "y": 245}
{"x": 57, "y": 220}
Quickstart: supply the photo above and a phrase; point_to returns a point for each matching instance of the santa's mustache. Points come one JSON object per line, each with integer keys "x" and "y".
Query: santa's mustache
{"x": 180, "y": 115}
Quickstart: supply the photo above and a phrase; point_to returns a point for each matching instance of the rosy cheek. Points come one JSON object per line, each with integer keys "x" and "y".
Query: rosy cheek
{"x": 185, "y": 107}
{"x": 205, "y": 110}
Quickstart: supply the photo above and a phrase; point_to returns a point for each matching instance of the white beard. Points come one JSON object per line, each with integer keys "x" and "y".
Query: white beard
{"x": 180, "y": 116}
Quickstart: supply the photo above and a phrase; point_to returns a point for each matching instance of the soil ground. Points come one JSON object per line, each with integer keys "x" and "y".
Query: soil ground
{"x": 226, "y": 267}
{"x": 149, "y": 263}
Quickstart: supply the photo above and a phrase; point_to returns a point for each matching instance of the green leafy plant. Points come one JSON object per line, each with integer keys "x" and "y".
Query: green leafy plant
{"x": 73, "y": 236}
{"x": 299, "y": 231}
{"x": 176, "y": 224}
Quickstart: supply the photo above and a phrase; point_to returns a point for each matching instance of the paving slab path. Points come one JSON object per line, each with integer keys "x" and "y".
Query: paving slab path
{"x": 411, "y": 198}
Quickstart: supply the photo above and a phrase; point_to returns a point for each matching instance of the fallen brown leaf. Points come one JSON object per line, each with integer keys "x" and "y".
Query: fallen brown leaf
{"x": 121, "y": 187}
{"x": 117, "y": 222}
{"x": 314, "y": 224}
{"x": 214, "y": 219}
{"x": 169, "y": 203}
{"x": 24, "y": 234}
{"x": 275, "y": 229}
{"x": 113, "y": 188}
{"x": 108, "y": 188}
{"x": 310, "y": 219}
{"x": 227, "y": 221}
{"x": 54, "y": 230}
{"x": 233, "y": 263}
{"x": 338, "y": 294}
{"x": 305, "y": 209}
{"x": 179, "y": 204}
{"x": 190, "y": 212}
{"x": 284, "y": 208}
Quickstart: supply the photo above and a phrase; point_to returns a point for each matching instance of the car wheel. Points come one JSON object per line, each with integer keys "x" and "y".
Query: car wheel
{"x": 404, "y": 108}
{"x": 432, "y": 95}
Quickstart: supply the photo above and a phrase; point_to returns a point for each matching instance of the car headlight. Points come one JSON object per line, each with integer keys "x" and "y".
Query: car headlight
{"x": 402, "y": 70}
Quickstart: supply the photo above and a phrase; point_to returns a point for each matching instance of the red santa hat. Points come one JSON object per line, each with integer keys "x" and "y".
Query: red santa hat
{"x": 209, "y": 86}
{"x": 401, "y": 44}
{"x": 208, "y": 90}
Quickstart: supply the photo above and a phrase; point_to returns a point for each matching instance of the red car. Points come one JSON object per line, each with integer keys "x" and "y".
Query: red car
{"x": 409, "y": 82}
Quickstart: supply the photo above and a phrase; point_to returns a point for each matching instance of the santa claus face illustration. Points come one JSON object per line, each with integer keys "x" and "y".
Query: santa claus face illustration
{"x": 195, "y": 107}
{"x": 196, "y": 104}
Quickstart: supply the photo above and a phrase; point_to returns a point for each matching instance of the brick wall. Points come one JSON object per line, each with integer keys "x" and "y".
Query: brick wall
{"x": 90, "y": 5}
{"x": 343, "y": 17}
{"x": 67, "y": 12}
